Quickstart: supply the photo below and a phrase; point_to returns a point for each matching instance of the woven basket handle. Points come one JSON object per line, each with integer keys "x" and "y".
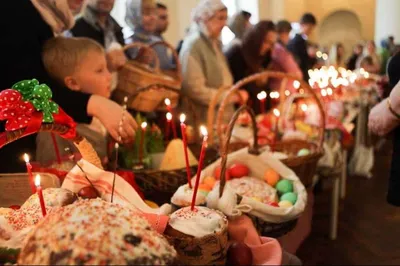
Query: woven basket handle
{"x": 224, "y": 155}
{"x": 84, "y": 147}
{"x": 211, "y": 111}
{"x": 174, "y": 54}
{"x": 148, "y": 48}
{"x": 271, "y": 74}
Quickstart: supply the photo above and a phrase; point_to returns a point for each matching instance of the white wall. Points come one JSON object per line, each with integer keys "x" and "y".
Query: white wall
{"x": 387, "y": 20}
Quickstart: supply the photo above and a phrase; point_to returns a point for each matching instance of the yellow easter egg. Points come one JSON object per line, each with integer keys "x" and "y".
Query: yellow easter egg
{"x": 257, "y": 199}
{"x": 285, "y": 204}
{"x": 151, "y": 204}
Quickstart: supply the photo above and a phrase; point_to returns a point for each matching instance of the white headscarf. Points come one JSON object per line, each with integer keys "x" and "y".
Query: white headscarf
{"x": 206, "y": 9}
{"x": 56, "y": 13}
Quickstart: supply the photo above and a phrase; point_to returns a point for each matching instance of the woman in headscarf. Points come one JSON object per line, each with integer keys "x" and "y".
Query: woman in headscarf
{"x": 141, "y": 17}
{"x": 251, "y": 56}
{"x": 204, "y": 67}
{"x": 27, "y": 25}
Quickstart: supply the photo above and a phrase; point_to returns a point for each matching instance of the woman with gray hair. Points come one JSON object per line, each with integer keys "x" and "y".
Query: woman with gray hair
{"x": 141, "y": 17}
{"x": 204, "y": 67}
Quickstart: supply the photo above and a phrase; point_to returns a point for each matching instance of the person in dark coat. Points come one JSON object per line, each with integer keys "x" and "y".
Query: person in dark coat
{"x": 27, "y": 25}
{"x": 96, "y": 23}
{"x": 357, "y": 53}
{"x": 393, "y": 196}
{"x": 298, "y": 45}
{"x": 385, "y": 118}
{"x": 251, "y": 56}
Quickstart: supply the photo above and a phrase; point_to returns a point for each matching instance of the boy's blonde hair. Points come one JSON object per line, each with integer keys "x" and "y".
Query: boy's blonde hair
{"x": 62, "y": 56}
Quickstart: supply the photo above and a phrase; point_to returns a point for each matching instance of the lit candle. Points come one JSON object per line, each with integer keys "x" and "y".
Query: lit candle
{"x": 182, "y": 118}
{"x": 40, "y": 195}
{"x": 141, "y": 148}
{"x": 168, "y": 125}
{"x": 168, "y": 104}
{"x": 204, "y": 132}
{"x": 296, "y": 84}
{"x": 171, "y": 124}
{"x": 262, "y": 96}
{"x": 304, "y": 107}
{"x": 29, "y": 170}
{"x": 276, "y": 114}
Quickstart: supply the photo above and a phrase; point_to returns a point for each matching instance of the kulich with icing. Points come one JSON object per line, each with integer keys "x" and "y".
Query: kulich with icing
{"x": 183, "y": 197}
{"x": 94, "y": 232}
{"x": 253, "y": 188}
{"x": 198, "y": 223}
{"x": 16, "y": 224}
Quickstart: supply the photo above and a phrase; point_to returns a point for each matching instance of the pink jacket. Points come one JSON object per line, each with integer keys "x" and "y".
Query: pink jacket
{"x": 283, "y": 61}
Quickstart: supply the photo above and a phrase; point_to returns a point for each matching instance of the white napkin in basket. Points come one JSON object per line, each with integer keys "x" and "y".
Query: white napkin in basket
{"x": 257, "y": 165}
{"x": 124, "y": 194}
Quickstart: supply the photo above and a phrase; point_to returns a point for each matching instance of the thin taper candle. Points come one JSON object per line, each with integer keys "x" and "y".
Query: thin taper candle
{"x": 200, "y": 166}
{"x": 184, "y": 138}
{"x": 29, "y": 170}
{"x": 40, "y": 195}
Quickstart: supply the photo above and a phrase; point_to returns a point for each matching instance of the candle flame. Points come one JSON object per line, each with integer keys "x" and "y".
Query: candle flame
{"x": 203, "y": 131}
{"x": 329, "y": 91}
{"x": 144, "y": 125}
{"x": 276, "y": 112}
{"x": 301, "y": 91}
{"x": 296, "y": 84}
{"x": 182, "y": 118}
{"x": 323, "y": 92}
{"x": 37, "y": 180}
{"x": 304, "y": 107}
{"x": 26, "y": 157}
{"x": 116, "y": 146}
{"x": 125, "y": 99}
{"x": 262, "y": 95}
{"x": 287, "y": 92}
{"x": 167, "y": 102}
{"x": 169, "y": 116}
{"x": 366, "y": 75}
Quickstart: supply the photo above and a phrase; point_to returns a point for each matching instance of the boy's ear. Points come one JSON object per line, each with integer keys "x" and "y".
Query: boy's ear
{"x": 71, "y": 83}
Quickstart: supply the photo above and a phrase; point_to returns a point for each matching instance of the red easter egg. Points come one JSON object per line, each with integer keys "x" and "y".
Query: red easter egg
{"x": 15, "y": 207}
{"x": 87, "y": 193}
{"x": 239, "y": 254}
{"x": 238, "y": 170}
{"x": 217, "y": 173}
{"x": 274, "y": 204}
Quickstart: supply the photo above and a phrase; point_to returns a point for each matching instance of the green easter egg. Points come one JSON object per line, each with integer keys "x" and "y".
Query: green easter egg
{"x": 303, "y": 152}
{"x": 290, "y": 196}
{"x": 284, "y": 186}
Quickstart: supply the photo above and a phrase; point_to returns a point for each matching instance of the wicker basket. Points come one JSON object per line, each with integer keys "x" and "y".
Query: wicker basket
{"x": 264, "y": 228}
{"x": 159, "y": 186}
{"x": 134, "y": 76}
{"x": 84, "y": 147}
{"x": 303, "y": 166}
{"x": 211, "y": 111}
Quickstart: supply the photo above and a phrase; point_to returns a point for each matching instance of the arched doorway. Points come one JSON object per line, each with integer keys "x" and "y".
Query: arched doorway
{"x": 340, "y": 26}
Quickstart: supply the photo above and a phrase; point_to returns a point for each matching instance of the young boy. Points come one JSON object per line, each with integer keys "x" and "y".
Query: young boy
{"x": 79, "y": 64}
{"x": 298, "y": 45}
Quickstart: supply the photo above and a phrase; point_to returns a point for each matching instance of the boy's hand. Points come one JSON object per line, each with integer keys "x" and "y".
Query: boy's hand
{"x": 115, "y": 59}
{"x": 110, "y": 114}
